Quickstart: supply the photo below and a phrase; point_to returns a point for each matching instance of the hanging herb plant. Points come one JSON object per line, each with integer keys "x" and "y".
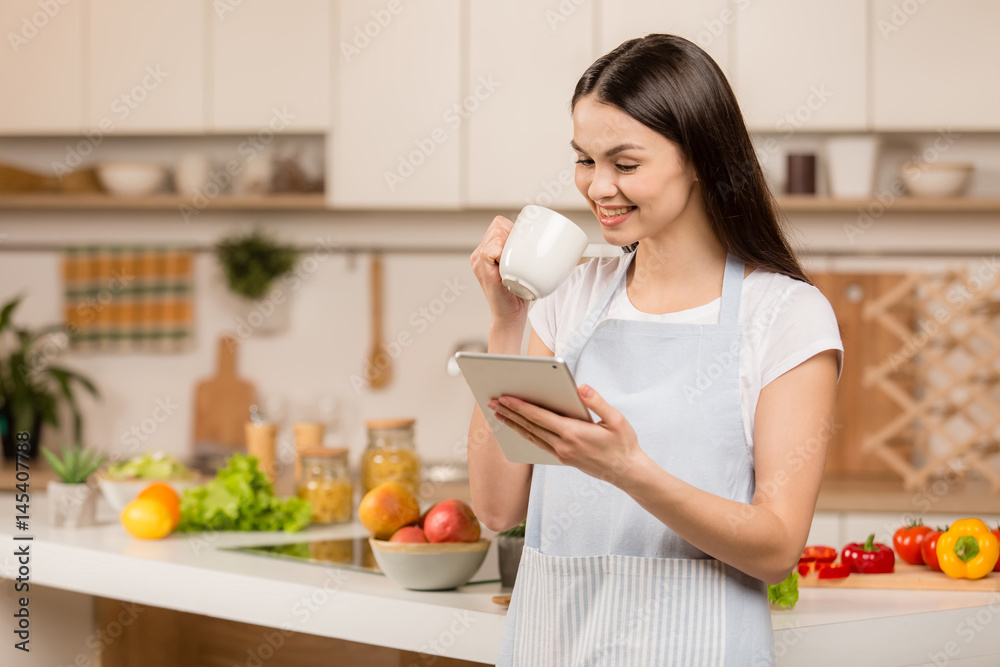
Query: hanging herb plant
{"x": 252, "y": 263}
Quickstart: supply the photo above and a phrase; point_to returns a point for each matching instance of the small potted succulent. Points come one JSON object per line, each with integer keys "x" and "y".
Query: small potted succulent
{"x": 251, "y": 264}
{"x": 73, "y": 502}
{"x": 509, "y": 545}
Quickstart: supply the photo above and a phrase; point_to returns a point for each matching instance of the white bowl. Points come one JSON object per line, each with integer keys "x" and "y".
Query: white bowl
{"x": 936, "y": 179}
{"x": 429, "y": 567}
{"x": 120, "y": 492}
{"x": 131, "y": 179}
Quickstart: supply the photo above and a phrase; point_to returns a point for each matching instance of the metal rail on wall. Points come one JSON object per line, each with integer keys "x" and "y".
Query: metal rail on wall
{"x": 352, "y": 249}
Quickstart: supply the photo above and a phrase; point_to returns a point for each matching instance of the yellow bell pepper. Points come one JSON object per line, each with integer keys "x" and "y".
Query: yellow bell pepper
{"x": 968, "y": 550}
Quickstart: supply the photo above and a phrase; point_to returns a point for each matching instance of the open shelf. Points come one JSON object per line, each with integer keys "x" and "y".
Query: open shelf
{"x": 812, "y": 204}
{"x": 97, "y": 201}
{"x": 317, "y": 202}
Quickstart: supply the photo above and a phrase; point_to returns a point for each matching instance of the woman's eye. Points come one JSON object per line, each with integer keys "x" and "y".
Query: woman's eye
{"x": 626, "y": 168}
{"x": 585, "y": 161}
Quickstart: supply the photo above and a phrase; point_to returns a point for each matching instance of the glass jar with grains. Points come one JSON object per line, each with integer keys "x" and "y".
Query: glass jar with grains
{"x": 325, "y": 482}
{"x": 391, "y": 455}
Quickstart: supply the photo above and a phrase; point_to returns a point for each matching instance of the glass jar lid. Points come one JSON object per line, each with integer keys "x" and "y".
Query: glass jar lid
{"x": 383, "y": 424}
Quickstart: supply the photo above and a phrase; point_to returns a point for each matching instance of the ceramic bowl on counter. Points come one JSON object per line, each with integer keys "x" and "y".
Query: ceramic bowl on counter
{"x": 429, "y": 567}
{"x": 936, "y": 179}
{"x": 131, "y": 179}
{"x": 120, "y": 492}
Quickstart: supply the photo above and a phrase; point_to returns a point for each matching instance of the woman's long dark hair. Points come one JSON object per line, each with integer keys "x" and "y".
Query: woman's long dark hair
{"x": 673, "y": 87}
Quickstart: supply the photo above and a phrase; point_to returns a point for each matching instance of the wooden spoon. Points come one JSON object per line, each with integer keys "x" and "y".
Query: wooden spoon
{"x": 380, "y": 364}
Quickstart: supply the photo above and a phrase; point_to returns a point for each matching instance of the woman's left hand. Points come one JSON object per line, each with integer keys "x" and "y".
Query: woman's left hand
{"x": 606, "y": 450}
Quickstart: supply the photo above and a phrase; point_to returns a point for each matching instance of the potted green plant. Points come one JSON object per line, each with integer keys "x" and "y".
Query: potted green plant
{"x": 32, "y": 388}
{"x": 73, "y": 502}
{"x": 510, "y": 543}
{"x": 252, "y": 263}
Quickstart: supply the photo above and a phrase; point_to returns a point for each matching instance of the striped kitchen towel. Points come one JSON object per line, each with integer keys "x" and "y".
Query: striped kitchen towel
{"x": 128, "y": 298}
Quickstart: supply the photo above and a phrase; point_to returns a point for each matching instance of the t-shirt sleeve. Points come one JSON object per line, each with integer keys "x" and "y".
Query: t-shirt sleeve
{"x": 542, "y": 317}
{"x": 803, "y": 324}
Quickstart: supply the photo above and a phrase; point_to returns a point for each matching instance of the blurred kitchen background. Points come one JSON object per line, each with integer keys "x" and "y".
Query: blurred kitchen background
{"x": 149, "y": 132}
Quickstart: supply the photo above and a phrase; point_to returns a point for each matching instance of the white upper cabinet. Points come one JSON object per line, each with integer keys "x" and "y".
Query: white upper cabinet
{"x": 800, "y": 66}
{"x": 41, "y": 67}
{"x": 936, "y": 65}
{"x": 396, "y": 126}
{"x": 146, "y": 65}
{"x": 270, "y": 59}
{"x": 525, "y": 58}
{"x": 708, "y": 23}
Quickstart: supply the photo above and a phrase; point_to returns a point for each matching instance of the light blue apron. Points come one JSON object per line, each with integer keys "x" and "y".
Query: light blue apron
{"x": 601, "y": 580}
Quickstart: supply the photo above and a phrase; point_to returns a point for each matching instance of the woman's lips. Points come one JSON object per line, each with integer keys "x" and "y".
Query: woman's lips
{"x": 611, "y": 216}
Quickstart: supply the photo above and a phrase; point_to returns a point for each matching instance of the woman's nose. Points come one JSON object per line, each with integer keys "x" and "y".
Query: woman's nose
{"x": 602, "y": 186}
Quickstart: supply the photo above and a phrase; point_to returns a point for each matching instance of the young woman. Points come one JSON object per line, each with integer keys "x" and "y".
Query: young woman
{"x": 712, "y": 363}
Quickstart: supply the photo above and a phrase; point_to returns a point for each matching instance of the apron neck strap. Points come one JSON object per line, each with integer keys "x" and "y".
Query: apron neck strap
{"x": 732, "y": 290}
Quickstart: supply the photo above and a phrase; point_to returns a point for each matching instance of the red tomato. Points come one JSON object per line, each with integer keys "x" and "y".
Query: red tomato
{"x": 996, "y": 531}
{"x": 928, "y": 549}
{"x": 906, "y": 541}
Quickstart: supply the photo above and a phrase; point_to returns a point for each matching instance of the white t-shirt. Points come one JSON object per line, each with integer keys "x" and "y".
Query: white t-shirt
{"x": 785, "y": 320}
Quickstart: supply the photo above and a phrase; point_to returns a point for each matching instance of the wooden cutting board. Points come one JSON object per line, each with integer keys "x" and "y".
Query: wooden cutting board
{"x": 222, "y": 402}
{"x": 916, "y": 577}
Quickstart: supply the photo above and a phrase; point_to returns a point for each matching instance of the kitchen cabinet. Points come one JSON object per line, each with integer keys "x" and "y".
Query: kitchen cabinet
{"x": 708, "y": 24}
{"x": 267, "y": 56}
{"x": 935, "y": 65}
{"x": 525, "y": 58}
{"x": 800, "y": 66}
{"x": 41, "y": 67}
{"x": 396, "y": 132}
{"x": 146, "y": 66}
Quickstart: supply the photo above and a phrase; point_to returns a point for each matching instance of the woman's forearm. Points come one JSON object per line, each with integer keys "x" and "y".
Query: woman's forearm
{"x": 499, "y": 488}
{"x": 749, "y": 537}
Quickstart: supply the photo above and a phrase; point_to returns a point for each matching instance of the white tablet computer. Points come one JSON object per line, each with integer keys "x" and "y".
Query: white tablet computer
{"x": 543, "y": 381}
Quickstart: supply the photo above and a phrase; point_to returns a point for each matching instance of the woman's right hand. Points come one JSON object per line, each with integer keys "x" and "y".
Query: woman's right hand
{"x": 508, "y": 310}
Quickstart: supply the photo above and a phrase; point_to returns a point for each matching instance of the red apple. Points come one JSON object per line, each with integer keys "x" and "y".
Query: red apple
{"x": 451, "y": 521}
{"x": 408, "y": 534}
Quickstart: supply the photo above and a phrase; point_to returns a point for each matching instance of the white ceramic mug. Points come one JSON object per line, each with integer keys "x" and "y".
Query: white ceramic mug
{"x": 540, "y": 252}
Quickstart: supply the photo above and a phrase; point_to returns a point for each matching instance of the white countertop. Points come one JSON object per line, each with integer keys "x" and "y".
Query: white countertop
{"x": 188, "y": 572}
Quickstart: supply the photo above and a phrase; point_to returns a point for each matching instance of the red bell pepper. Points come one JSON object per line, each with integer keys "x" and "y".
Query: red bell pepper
{"x": 831, "y": 571}
{"x": 906, "y": 541}
{"x": 818, "y": 553}
{"x": 928, "y": 548}
{"x": 868, "y": 557}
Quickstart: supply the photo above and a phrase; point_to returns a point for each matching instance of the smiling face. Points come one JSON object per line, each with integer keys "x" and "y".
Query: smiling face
{"x": 636, "y": 181}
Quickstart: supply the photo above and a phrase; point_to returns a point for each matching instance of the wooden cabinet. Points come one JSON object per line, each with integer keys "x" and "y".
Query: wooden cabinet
{"x": 525, "y": 58}
{"x": 709, "y": 23}
{"x": 935, "y": 65}
{"x": 270, "y": 58}
{"x": 41, "y": 67}
{"x": 396, "y": 132}
{"x": 801, "y": 66}
{"x": 146, "y": 65}
{"x": 861, "y": 410}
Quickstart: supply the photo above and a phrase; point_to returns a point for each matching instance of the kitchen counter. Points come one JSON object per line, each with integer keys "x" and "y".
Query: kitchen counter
{"x": 188, "y": 572}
